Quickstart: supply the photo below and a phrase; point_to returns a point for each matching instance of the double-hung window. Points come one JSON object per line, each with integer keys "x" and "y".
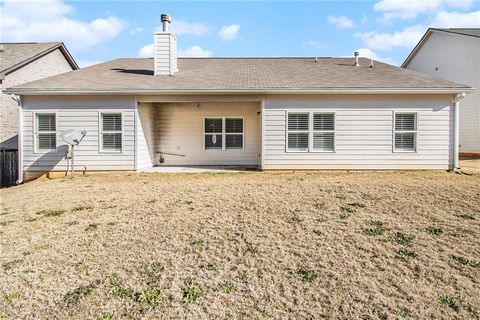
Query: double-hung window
{"x": 323, "y": 132}
{"x": 310, "y": 131}
{"x": 298, "y": 131}
{"x": 45, "y": 131}
{"x": 111, "y": 132}
{"x": 223, "y": 133}
{"x": 405, "y": 131}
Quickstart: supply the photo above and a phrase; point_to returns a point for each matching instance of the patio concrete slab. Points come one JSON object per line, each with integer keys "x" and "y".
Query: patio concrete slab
{"x": 198, "y": 169}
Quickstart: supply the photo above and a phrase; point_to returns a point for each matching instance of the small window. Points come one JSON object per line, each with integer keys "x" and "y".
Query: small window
{"x": 324, "y": 132}
{"x": 46, "y": 131}
{"x": 111, "y": 132}
{"x": 298, "y": 131}
{"x": 234, "y": 133}
{"x": 405, "y": 131}
{"x": 223, "y": 133}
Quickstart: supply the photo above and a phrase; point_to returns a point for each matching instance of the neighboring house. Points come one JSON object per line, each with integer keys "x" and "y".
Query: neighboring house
{"x": 272, "y": 113}
{"x": 454, "y": 54}
{"x": 21, "y": 63}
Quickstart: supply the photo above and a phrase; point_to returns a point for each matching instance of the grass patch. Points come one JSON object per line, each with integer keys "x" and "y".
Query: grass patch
{"x": 212, "y": 266}
{"x": 152, "y": 297}
{"x": 466, "y": 216}
{"x": 154, "y": 272}
{"x": 402, "y": 313}
{"x": 75, "y": 295}
{"x": 434, "y": 231}
{"x": 191, "y": 291}
{"x": 51, "y": 213}
{"x": 117, "y": 290}
{"x": 317, "y": 232}
{"x": 226, "y": 286}
{"x": 307, "y": 275}
{"x": 27, "y": 270}
{"x": 377, "y": 228}
{"x": 404, "y": 239}
{"x": 81, "y": 208}
{"x": 450, "y": 302}
{"x": 9, "y": 265}
{"x": 197, "y": 243}
{"x": 106, "y": 317}
{"x": 465, "y": 261}
{"x": 406, "y": 253}
{"x": 91, "y": 227}
{"x": 251, "y": 248}
{"x": 9, "y": 297}
{"x": 295, "y": 218}
{"x": 356, "y": 205}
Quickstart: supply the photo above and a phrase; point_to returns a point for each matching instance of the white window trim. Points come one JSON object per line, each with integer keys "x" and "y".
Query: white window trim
{"x": 100, "y": 132}
{"x": 287, "y": 131}
{"x": 224, "y": 133}
{"x": 35, "y": 132}
{"x": 324, "y": 131}
{"x": 310, "y": 131}
{"x": 415, "y": 132}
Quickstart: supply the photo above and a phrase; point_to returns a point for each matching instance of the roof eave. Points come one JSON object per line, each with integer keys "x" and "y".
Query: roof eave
{"x": 33, "y": 91}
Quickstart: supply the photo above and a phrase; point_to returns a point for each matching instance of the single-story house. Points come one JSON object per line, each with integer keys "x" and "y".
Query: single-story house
{"x": 453, "y": 54}
{"x": 272, "y": 113}
{"x": 22, "y": 63}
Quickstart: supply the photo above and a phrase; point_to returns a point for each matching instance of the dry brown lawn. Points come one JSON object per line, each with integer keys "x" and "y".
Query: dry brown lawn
{"x": 338, "y": 245}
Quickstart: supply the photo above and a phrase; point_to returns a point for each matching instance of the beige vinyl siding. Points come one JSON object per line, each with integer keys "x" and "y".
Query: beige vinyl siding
{"x": 455, "y": 57}
{"x": 145, "y": 129}
{"x": 80, "y": 113}
{"x": 363, "y": 132}
{"x": 179, "y": 130}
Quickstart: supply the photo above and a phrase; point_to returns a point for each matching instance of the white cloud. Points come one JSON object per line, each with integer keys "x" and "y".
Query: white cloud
{"x": 367, "y": 53}
{"x": 48, "y": 20}
{"x": 182, "y": 27}
{"x": 87, "y": 63}
{"x": 229, "y": 32}
{"x": 407, "y": 37}
{"x": 146, "y": 51}
{"x": 195, "y": 52}
{"x": 341, "y": 22}
{"x": 409, "y": 9}
{"x": 455, "y": 19}
{"x": 136, "y": 30}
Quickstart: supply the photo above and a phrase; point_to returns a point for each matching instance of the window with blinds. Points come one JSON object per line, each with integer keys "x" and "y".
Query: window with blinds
{"x": 323, "y": 132}
{"x": 45, "y": 131}
{"x": 213, "y": 133}
{"x": 233, "y": 133}
{"x": 223, "y": 133}
{"x": 111, "y": 132}
{"x": 298, "y": 131}
{"x": 405, "y": 131}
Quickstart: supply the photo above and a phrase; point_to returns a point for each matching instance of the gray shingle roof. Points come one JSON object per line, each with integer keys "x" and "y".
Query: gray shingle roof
{"x": 15, "y": 55}
{"x": 236, "y": 74}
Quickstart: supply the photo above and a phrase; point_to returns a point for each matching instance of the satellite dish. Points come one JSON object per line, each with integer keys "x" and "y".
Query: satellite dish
{"x": 72, "y": 138}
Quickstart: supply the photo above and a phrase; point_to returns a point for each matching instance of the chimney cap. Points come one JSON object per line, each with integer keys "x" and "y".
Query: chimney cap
{"x": 165, "y": 17}
{"x": 356, "y": 53}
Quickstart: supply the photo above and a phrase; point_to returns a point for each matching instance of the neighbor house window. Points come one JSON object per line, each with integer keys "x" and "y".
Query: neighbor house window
{"x": 323, "y": 132}
{"x": 405, "y": 131}
{"x": 45, "y": 131}
{"x": 223, "y": 133}
{"x": 111, "y": 132}
{"x": 298, "y": 131}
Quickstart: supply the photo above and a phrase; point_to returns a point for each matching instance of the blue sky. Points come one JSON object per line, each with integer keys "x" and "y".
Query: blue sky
{"x": 97, "y": 31}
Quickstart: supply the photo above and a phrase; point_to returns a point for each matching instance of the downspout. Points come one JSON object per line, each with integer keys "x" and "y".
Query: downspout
{"x": 19, "y": 101}
{"x": 456, "y": 139}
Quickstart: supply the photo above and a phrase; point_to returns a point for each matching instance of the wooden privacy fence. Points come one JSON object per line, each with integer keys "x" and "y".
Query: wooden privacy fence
{"x": 8, "y": 167}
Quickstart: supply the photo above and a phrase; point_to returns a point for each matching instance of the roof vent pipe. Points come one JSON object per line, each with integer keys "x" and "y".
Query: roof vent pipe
{"x": 356, "y": 54}
{"x": 165, "y": 18}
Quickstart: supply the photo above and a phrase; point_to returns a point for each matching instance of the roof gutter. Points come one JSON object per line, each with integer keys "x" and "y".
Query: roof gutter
{"x": 34, "y": 91}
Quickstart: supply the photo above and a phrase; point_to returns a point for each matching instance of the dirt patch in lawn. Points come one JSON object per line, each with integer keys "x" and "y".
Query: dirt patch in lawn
{"x": 370, "y": 245}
